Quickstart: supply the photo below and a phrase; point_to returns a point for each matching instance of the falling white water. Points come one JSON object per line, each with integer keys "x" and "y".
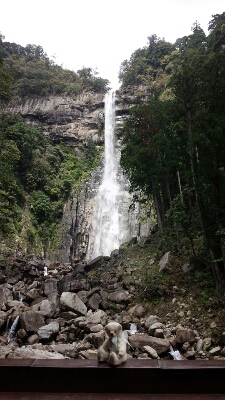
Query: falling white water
{"x": 12, "y": 333}
{"x": 175, "y": 354}
{"x": 108, "y": 218}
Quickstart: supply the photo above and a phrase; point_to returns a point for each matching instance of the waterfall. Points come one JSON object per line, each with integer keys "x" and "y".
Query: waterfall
{"x": 108, "y": 219}
{"x": 104, "y": 218}
{"x": 12, "y": 333}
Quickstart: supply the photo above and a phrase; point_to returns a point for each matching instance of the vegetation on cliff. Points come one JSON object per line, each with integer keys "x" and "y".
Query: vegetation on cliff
{"x": 35, "y": 74}
{"x": 36, "y": 179}
{"x": 174, "y": 147}
{"x": 37, "y": 175}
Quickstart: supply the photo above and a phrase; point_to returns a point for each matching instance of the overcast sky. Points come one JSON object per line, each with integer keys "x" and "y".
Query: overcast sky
{"x": 100, "y": 33}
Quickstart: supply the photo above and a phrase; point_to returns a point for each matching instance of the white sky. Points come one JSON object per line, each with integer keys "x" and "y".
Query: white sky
{"x": 100, "y": 33}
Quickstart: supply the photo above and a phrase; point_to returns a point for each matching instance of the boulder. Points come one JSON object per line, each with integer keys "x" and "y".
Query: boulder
{"x": 3, "y": 318}
{"x": 68, "y": 350}
{"x": 31, "y": 321}
{"x": 120, "y": 296}
{"x": 46, "y": 332}
{"x": 153, "y": 327}
{"x": 98, "y": 317}
{"x": 215, "y": 351}
{"x": 150, "y": 351}
{"x": 159, "y": 333}
{"x": 206, "y": 344}
{"x": 151, "y": 320}
{"x": 47, "y": 309}
{"x": 137, "y": 311}
{"x": 70, "y": 301}
{"x": 159, "y": 345}
{"x": 5, "y": 294}
{"x": 33, "y": 339}
{"x": 82, "y": 294}
{"x": 185, "y": 335}
{"x": 88, "y": 354}
{"x": 164, "y": 262}
{"x": 29, "y": 352}
{"x": 94, "y": 301}
{"x": 50, "y": 287}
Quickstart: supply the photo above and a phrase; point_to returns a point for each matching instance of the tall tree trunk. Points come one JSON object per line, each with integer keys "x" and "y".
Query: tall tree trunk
{"x": 216, "y": 272}
{"x": 180, "y": 188}
{"x": 158, "y": 212}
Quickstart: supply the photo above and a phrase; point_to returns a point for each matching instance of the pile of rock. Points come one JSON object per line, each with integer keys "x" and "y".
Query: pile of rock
{"x": 62, "y": 314}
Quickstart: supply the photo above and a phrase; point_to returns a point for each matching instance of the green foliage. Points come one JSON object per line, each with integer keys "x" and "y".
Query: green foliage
{"x": 41, "y": 206}
{"x": 174, "y": 150}
{"x": 149, "y": 66}
{"x": 36, "y": 177}
{"x": 34, "y": 74}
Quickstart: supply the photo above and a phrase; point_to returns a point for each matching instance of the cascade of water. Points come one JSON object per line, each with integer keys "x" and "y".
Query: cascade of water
{"x": 20, "y": 297}
{"x": 175, "y": 354}
{"x": 45, "y": 271}
{"x": 108, "y": 218}
{"x": 12, "y": 333}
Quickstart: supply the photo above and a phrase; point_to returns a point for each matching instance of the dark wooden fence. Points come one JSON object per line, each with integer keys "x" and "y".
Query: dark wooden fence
{"x": 136, "y": 379}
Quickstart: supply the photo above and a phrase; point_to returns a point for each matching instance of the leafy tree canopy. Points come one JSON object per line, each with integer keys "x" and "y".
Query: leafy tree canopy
{"x": 174, "y": 149}
{"x": 35, "y": 74}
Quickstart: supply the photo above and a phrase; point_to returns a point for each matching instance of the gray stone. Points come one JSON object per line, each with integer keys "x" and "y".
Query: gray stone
{"x": 5, "y": 294}
{"x": 33, "y": 339}
{"x": 159, "y": 333}
{"x": 185, "y": 335}
{"x": 29, "y": 352}
{"x": 46, "y": 332}
{"x": 153, "y": 327}
{"x": 54, "y": 298}
{"x": 31, "y": 321}
{"x": 151, "y": 320}
{"x": 164, "y": 263}
{"x": 88, "y": 354}
{"x": 67, "y": 315}
{"x": 207, "y": 342}
{"x": 68, "y": 350}
{"x": 3, "y": 318}
{"x": 22, "y": 334}
{"x": 199, "y": 345}
{"x": 215, "y": 351}
{"x": 96, "y": 328}
{"x": 50, "y": 287}
{"x": 70, "y": 301}
{"x": 137, "y": 311}
{"x": 94, "y": 301}
{"x": 82, "y": 294}
{"x": 150, "y": 351}
{"x": 47, "y": 309}
{"x": 120, "y": 296}
{"x": 159, "y": 345}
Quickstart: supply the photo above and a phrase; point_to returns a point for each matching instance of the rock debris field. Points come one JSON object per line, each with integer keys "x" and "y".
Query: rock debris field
{"x": 60, "y": 312}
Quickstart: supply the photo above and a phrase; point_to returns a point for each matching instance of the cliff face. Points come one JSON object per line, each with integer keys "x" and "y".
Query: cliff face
{"x": 79, "y": 225}
{"x": 75, "y": 121}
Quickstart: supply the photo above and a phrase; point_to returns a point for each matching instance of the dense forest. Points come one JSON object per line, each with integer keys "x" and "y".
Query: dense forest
{"x": 174, "y": 145}
{"x": 35, "y": 74}
{"x": 37, "y": 175}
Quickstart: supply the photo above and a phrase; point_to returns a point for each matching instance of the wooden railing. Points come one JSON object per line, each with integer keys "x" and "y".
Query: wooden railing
{"x": 135, "y": 376}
